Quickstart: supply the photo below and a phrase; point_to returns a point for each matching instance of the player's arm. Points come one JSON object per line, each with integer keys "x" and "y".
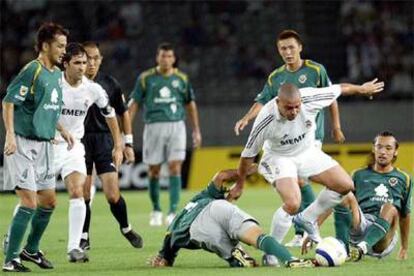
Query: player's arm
{"x": 405, "y": 233}
{"x": 128, "y": 137}
{"x": 231, "y": 175}
{"x": 368, "y": 88}
{"x": 65, "y": 135}
{"x": 136, "y": 97}
{"x": 195, "y": 124}
{"x": 250, "y": 115}
{"x": 8, "y": 118}
{"x": 337, "y": 134}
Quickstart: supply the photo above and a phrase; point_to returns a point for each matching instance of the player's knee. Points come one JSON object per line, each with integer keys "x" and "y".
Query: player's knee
{"x": 112, "y": 197}
{"x": 347, "y": 185}
{"x": 388, "y": 211}
{"x": 76, "y": 192}
{"x": 154, "y": 172}
{"x": 292, "y": 206}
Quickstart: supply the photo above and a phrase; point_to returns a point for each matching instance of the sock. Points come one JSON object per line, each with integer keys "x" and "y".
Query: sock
{"x": 154, "y": 191}
{"x": 87, "y": 222}
{"x": 16, "y": 208}
{"x": 376, "y": 231}
{"x": 281, "y": 223}
{"x": 77, "y": 213}
{"x": 270, "y": 246}
{"x": 175, "y": 190}
{"x": 40, "y": 221}
{"x": 119, "y": 211}
{"x": 17, "y": 230}
{"x": 342, "y": 222}
{"x": 325, "y": 200}
{"x": 307, "y": 198}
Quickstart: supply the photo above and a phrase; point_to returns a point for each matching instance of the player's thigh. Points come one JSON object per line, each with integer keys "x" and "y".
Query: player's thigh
{"x": 289, "y": 191}
{"x": 102, "y": 155}
{"x": 45, "y": 168}
{"x": 175, "y": 148}
{"x": 273, "y": 167}
{"x": 47, "y": 198}
{"x": 154, "y": 143}
{"x": 336, "y": 179}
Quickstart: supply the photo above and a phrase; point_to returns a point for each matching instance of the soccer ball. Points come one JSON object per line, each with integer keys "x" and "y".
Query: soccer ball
{"x": 330, "y": 252}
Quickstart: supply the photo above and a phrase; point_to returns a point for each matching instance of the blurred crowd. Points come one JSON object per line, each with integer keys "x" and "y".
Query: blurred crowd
{"x": 227, "y": 47}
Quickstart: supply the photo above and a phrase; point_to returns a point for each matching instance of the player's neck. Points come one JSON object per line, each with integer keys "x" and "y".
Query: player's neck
{"x": 45, "y": 61}
{"x": 383, "y": 169}
{"x": 72, "y": 81}
{"x": 165, "y": 72}
{"x": 294, "y": 66}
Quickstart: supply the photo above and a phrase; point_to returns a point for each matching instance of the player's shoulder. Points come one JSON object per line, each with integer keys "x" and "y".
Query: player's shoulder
{"x": 92, "y": 85}
{"x": 360, "y": 171}
{"x": 183, "y": 76}
{"x": 275, "y": 73}
{"x": 31, "y": 67}
{"x": 147, "y": 73}
{"x": 313, "y": 65}
{"x": 404, "y": 175}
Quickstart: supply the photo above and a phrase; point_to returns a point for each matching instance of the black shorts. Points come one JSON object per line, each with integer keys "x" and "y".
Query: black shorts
{"x": 98, "y": 150}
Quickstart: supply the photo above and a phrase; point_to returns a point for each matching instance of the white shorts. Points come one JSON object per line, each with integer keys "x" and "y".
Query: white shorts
{"x": 30, "y": 167}
{"x": 68, "y": 161}
{"x": 312, "y": 161}
{"x": 164, "y": 141}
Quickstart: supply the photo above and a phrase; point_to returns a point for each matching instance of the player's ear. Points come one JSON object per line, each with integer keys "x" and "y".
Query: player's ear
{"x": 45, "y": 46}
{"x": 396, "y": 153}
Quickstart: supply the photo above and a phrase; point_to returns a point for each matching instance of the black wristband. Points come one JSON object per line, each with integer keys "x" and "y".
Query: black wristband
{"x": 129, "y": 145}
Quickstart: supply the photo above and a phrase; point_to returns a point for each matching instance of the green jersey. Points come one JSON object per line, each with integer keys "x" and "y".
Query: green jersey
{"x": 163, "y": 97}
{"x": 37, "y": 97}
{"x": 373, "y": 189}
{"x": 311, "y": 74}
{"x": 180, "y": 227}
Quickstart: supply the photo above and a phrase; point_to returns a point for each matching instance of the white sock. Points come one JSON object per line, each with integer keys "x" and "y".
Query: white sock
{"x": 77, "y": 213}
{"x": 84, "y": 236}
{"x": 92, "y": 193}
{"x": 281, "y": 223}
{"x": 126, "y": 229}
{"x": 325, "y": 200}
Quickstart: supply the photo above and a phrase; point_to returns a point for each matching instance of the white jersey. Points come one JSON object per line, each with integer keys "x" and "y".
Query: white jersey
{"x": 278, "y": 135}
{"x": 76, "y": 102}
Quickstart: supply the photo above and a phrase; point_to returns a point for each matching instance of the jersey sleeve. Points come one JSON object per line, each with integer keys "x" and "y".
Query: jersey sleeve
{"x": 139, "y": 90}
{"x": 324, "y": 80}
{"x": 406, "y": 206}
{"x": 100, "y": 96}
{"x": 257, "y": 135}
{"x": 190, "y": 96}
{"x": 266, "y": 94}
{"x": 315, "y": 99}
{"x": 118, "y": 100}
{"x": 21, "y": 85}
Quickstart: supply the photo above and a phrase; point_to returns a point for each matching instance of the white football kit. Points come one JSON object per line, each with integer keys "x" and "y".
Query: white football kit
{"x": 76, "y": 102}
{"x": 289, "y": 146}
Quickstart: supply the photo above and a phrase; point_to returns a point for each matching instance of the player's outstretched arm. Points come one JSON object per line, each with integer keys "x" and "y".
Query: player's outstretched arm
{"x": 8, "y": 118}
{"x": 231, "y": 175}
{"x": 242, "y": 172}
{"x": 251, "y": 114}
{"x": 133, "y": 110}
{"x": 369, "y": 88}
{"x": 405, "y": 232}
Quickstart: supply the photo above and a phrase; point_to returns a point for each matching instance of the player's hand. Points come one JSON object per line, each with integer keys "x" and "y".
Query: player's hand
{"x": 10, "y": 145}
{"x": 338, "y": 135}
{"x": 236, "y": 191}
{"x": 403, "y": 254}
{"x": 196, "y": 139}
{"x": 157, "y": 261}
{"x": 129, "y": 155}
{"x": 372, "y": 87}
{"x": 68, "y": 138}
{"x": 240, "y": 125}
{"x": 117, "y": 156}
{"x": 306, "y": 245}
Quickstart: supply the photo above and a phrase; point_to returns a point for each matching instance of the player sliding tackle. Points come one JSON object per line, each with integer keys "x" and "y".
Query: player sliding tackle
{"x": 212, "y": 223}
{"x": 286, "y": 126}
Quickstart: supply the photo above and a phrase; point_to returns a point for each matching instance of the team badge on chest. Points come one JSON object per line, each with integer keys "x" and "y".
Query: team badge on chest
{"x": 302, "y": 78}
{"x": 393, "y": 181}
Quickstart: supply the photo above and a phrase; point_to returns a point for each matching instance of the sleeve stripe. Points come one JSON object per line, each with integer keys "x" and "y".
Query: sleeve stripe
{"x": 318, "y": 98}
{"x": 36, "y": 75}
{"x": 330, "y": 94}
{"x": 266, "y": 121}
{"x": 407, "y": 177}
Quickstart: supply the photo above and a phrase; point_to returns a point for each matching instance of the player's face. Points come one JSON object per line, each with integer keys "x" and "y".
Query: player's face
{"x": 94, "y": 61}
{"x": 76, "y": 67}
{"x": 384, "y": 150}
{"x": 289, "y": 108}
{"x": 289, "y": 49}
{"x": 166, "y": 59}
{"x": 56, "y": 49}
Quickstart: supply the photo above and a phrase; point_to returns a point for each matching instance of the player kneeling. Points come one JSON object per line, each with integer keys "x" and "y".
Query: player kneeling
{"x": 212, "y": 223}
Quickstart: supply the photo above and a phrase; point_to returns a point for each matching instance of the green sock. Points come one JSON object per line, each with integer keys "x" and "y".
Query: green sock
{"x": 342, "y": 221}
{"x": 175, "y": 189}
{"x": 376, "y": 231}
{"x": 154, "y": 191}
{"x": 307, "y": 198}
{"x": 270, "y": 246}
{"x": 40, "y": 221}
{"x": 18, "y": 227}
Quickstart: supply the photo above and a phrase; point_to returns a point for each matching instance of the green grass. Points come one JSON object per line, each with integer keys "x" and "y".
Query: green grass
{"x": 112, "y": 255}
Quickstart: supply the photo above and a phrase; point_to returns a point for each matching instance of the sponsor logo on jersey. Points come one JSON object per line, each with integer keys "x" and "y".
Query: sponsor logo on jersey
{"x": 293, "y": 140}
{"x": 165, "y": 96}
{"x": 302, "y": 78}
{"x": 23, "y": 90}
{"x": 54, "y": 96}
{"x": 381, "y": 194}
{"x": 73, "y": 112}
{"x": 393, "y": 181}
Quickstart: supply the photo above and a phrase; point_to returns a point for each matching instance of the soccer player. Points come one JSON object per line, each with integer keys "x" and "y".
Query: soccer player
{"x": 302, "y": 73}
{"x": 381, "y": 201}
{"x": 31, "y": 110}
{"x": 285, "y": 126}
{"x": 98, "y": 147}
{"x": 165, "y": 93}
{"x": 79, "y": 93}
{"x": 212, "y": 223}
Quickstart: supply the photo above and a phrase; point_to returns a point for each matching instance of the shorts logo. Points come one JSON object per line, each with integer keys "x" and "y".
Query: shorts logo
{"x": 266, "y": 167}
{"x": 302, "y": 78}
{"x": 393, "y": 181}
{"x": 23, "y": 90}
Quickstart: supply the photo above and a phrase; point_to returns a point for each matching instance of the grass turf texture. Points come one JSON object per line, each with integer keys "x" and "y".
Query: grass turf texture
{"x": 111, "y": 254}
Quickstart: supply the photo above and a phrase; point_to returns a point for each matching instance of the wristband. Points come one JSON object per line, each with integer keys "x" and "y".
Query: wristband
{"x": 128, "y": 139}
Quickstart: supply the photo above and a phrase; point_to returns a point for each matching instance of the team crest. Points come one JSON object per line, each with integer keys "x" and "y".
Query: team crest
{"x": 175, "y": 83}
{"x": 23, "y": 90}
{"x": 302, "y": 78}
{"x": 393, "y": 181}
{"x": 308, "y": 123}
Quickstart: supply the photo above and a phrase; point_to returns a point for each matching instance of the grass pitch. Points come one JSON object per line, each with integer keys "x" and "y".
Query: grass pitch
{"x": 111, "y": 254}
